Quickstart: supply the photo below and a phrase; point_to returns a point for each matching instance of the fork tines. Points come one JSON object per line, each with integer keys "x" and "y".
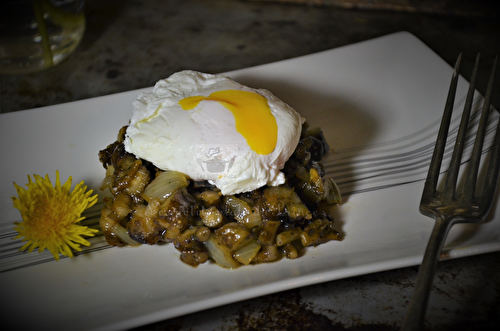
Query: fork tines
{"x": 468, "y": 193}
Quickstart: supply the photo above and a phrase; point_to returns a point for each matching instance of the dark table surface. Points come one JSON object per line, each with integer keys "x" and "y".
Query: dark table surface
{"x": 132, "y": 44}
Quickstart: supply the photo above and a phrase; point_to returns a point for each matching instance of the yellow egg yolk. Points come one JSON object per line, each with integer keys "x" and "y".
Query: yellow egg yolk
{"x": 252, "y": 115}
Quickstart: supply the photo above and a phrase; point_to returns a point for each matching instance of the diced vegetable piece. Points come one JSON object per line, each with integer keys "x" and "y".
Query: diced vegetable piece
{"x": 316, "y": 181}
{"x": 164, "y": 185}
{"x": 194, "y": 258}
{"x": 246, "y": 253}
{"x": 139, "y": 181}
{"x": 317, "y": 232}
{"x": 209, "y": 198}
{"x": 288, "y": 236}
{"x": 289, "y": 251}
{"x": 275, "y": 197}
{"x": 122, "y": 205}
{"x": 238, "y": 207}
{"x": 193, "y": 252}
{"x": 106, "y": 182}
{"x": 141, "y": 227}
{"x": 242, "y": 211}
{"x": 115, "y": 233}
{"x": 296, "y": 209}
{"x": 211, "y": 217}
{"x": 222, "y": 255}
{"x": 202, "y": 233}
{"x": 267, "y": 254}
{"x": 233, "y": 235}
{"x": 122, "y": 233}
{"x": 268, "y": 232}
{"x": 186, "y": 235}
{"x": 253, "y": 219}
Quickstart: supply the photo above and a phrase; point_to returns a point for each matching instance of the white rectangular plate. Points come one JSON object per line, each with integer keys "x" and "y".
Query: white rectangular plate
{"x": 379, "y": 103}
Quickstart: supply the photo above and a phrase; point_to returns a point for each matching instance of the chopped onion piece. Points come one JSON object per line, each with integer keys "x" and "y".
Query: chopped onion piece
{"x": 246, "y": 253}
{"x": 164, "y": 185}
{"x": 106, "y": 182}
{"x": 252, "y": 219}
{"x": 220, "y": 254}
{"x": 121, "y": 233}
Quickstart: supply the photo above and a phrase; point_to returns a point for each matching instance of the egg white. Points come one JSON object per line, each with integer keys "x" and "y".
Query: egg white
{"x": 203, "y": 143}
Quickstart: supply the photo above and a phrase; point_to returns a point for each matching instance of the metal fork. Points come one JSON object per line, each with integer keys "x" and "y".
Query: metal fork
{"x": 449, "y": 207}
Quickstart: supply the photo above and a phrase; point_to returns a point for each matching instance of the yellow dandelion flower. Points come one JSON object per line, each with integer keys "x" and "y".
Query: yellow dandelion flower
{"x": 50, "y": 215}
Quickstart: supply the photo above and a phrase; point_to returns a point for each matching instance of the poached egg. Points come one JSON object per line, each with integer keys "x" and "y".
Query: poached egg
{"x": 212, "y": 128}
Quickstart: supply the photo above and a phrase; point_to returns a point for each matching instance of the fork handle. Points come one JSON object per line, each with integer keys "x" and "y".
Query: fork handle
{"x": 414, "y": 319}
